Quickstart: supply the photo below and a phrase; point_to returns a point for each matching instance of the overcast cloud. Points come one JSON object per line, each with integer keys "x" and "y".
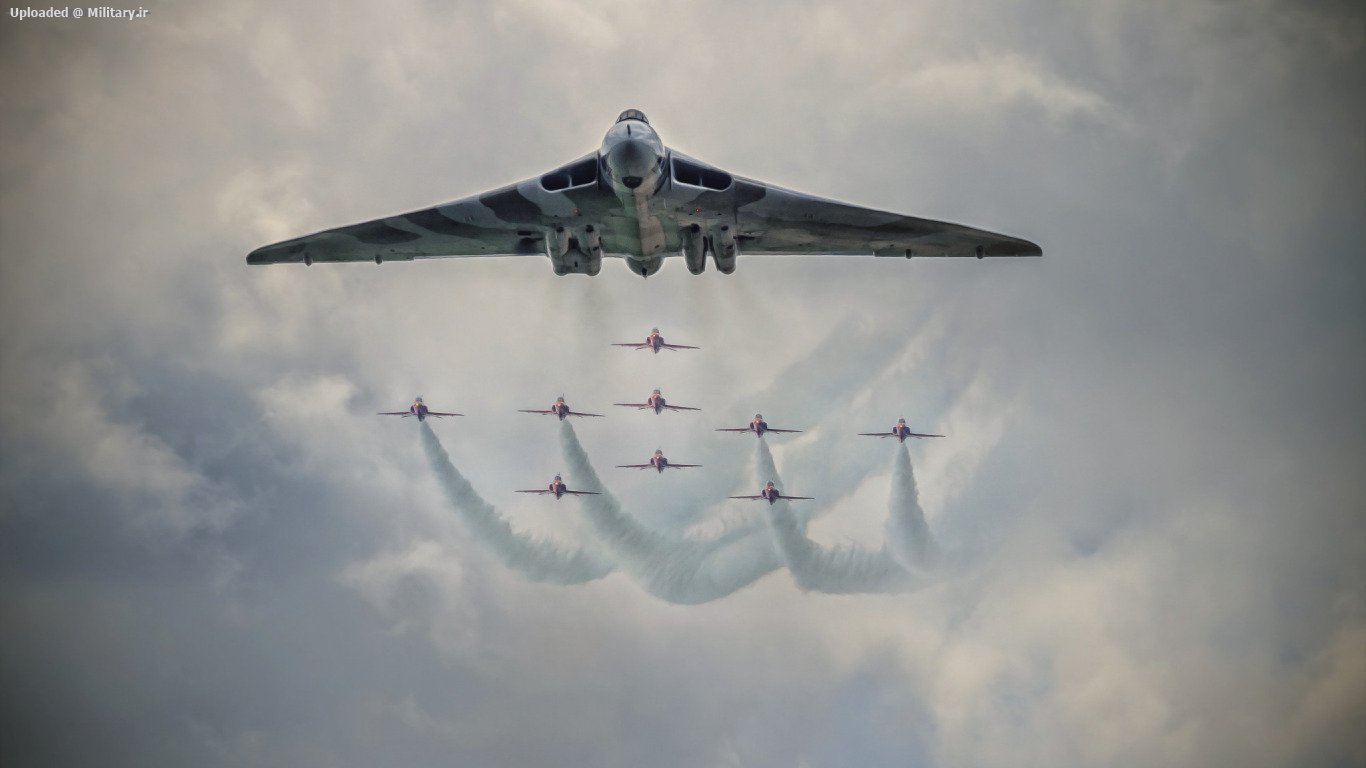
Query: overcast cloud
{"x": 1150, "y": 506}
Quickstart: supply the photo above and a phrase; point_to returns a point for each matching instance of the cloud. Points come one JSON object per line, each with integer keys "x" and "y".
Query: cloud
{"x": 71, "y": 431}
{"x": 537, "y": 559}
{"x": 991, "y": 82}
{"x": 1148, "y": 497}
{"x": 418, "y": 588}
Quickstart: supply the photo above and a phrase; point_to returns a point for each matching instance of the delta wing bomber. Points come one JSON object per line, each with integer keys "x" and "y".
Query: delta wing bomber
{"x": 636, "y": 199}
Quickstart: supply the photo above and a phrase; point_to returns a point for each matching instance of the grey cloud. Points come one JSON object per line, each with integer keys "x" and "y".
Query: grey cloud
{"x": 1150, "y": 491}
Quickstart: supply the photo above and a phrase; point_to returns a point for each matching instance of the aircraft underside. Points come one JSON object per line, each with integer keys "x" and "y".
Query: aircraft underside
{"x": 638, "y": 200}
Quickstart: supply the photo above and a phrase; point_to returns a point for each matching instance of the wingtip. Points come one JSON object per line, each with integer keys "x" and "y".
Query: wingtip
{"x": 267, "y": 254}
{"x": 1011, "y": 247}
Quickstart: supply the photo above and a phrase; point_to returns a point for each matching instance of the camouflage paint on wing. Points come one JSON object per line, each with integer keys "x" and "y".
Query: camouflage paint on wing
{"x": 771, "y": 220}
{"x": 510, "y": 221}
{"x": 786, "y": 222}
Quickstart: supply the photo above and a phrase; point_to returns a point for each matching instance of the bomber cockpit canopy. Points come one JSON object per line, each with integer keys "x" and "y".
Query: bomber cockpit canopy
{"x": 633, "y": 114}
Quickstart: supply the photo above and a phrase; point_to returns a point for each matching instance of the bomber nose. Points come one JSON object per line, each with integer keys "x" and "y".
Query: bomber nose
{"x": 631, "y": 161}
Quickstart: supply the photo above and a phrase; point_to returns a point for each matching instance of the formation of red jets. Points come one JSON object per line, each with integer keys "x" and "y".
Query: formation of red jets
{"x": 656, "y": 402}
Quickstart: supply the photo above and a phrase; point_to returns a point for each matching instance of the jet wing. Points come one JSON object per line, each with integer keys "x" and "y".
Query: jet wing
{"x": 532, "y": 410}
{"x": 785, "y": 497}
{"x": 394, "y": 413}
{"x": 581, "y": 493}
{"x": 640, "y": 345}
{"x": 735, "y": 429}
{"x": 510, "y": 221}
{"x": 539, "y": 490}
{"x": 744, "y": 497}
{"x": 772, "y": 220}
{"x": 681, "y": 408}
{"x": 443, "y": 413}
{"x": 576, "y": 413}
{"x": 772, "y": 429}
{"x": 893, "y": 434}
{"x": 666, "y": 345}
{"x": 670, "y": 465}
{"x": 634, "y": 405}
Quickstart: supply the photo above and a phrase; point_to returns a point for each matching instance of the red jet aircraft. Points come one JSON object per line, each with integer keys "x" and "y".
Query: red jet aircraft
{"x": 418, "y": 409}
{"x": 557, "y": 488}
{"x": 758, "y": 426}
{"x": 900, "y": 432}
{"x": 657, "y": 462}
{"x": 654, "y": 342}
{"x": 771, "y": 495}
{"x": 656, "y": 402}
{"x": 558, "y": 409}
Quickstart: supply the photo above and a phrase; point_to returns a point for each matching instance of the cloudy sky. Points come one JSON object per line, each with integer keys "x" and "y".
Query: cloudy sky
{"x": 1150, "y": 502}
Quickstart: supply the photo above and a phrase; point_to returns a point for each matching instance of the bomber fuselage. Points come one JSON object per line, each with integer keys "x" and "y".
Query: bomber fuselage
{"x": 633, "y": 162}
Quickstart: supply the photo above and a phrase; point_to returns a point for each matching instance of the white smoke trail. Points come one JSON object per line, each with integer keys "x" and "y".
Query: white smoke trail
{"x": 675, "y": 569}
{"x": 839, "y": 371}
{"x": 911, "y": 541}
{"x": 828, "y": 569}
{"x": 537, "y": 559}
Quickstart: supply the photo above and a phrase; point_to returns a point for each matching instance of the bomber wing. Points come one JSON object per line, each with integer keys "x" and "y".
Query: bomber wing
{"x": 772, "y": 220}
{"x": 510, "y": 221}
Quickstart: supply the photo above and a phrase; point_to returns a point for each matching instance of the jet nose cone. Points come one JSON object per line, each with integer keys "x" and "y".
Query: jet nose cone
{"x": 631, "y": 161}
{"x": 632, "y": 150}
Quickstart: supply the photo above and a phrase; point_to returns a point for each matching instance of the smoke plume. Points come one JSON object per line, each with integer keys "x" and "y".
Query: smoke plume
{"x": 828, "y": 569}
{"x": 537, "y": 559}
{"x": 909, "y": 536}
{"x": 676, "y": 569}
